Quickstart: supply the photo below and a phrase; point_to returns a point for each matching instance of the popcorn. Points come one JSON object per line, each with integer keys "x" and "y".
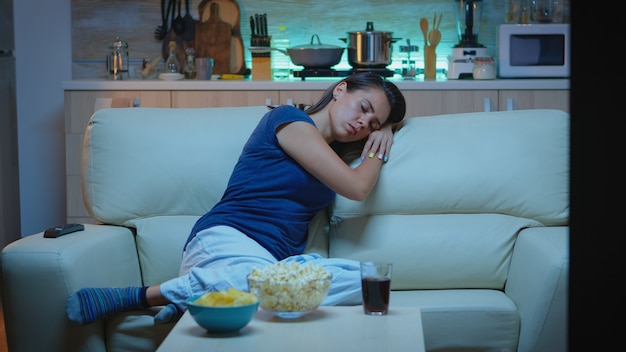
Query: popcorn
{"x": 290, "y": 286}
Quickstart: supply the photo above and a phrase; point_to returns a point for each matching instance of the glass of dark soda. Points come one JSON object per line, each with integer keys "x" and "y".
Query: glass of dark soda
{"x": 375, "y": 286}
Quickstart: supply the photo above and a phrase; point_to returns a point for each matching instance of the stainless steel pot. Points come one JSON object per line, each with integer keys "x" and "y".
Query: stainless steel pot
{"x": 315, "y": 55}
{"x": 369, "y": 48}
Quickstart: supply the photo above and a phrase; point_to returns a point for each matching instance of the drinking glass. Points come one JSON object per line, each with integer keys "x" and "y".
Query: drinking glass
{"x": 375, "y": 286}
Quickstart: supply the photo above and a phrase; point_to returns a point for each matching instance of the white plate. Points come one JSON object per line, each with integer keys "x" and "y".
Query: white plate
{"x": 171, "y": 76}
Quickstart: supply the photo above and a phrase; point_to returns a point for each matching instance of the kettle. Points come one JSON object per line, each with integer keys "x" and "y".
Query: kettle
{"x": 117, "y": 60}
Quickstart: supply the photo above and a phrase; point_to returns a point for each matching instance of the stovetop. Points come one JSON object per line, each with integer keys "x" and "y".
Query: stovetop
{"x": 329, "y": 72}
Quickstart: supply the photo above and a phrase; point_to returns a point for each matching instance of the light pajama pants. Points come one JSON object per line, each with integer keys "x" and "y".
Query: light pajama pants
{"x": 221, "y": 257}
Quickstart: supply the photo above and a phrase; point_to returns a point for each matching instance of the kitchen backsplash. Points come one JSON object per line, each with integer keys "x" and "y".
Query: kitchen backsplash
{"x": 96, "y": 23}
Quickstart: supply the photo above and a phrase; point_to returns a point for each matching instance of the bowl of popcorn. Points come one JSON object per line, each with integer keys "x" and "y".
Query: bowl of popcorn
{"x": 290, "y": 289}
{"x": 223, "y": 311}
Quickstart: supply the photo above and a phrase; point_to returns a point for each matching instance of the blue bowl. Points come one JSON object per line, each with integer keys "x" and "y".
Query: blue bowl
{"x": 222, "y": 319}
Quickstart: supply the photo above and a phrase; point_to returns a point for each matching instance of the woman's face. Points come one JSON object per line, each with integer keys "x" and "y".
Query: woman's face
{"x": 358, "y": 113}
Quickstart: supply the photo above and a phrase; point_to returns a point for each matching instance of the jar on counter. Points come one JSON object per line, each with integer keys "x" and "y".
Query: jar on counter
{"x": 189, "y": 71}
{"x": 408, "y": 62}
{"x": 117, "y": 60}
{"x": 484, "y": 68}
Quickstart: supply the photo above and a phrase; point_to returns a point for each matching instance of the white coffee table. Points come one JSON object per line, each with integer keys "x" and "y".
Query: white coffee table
{"x": 344, "y": 328}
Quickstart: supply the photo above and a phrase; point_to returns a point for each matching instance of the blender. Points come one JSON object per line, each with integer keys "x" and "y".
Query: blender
{"x": 468, "y": 14}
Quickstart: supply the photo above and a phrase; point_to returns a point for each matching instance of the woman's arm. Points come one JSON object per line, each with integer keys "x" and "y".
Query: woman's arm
{"x": 303, "y": 142}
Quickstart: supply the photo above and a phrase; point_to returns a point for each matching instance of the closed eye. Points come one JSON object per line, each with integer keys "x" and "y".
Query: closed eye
{"x": 367, "y": 107}
{"x": 374, "y": 125}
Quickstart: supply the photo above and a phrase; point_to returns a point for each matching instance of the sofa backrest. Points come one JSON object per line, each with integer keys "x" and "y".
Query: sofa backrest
{"x": 446, "y": 209}
{"x": 142, "y": 162}
{"x": 456, "y": 192}
{"x": 507, "y": 162}
{"x": 157, "y": 170}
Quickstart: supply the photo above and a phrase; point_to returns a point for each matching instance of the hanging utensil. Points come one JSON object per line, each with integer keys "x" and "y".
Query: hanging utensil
{"x": 190, "y": 24}
{"x": 179, "y": 23}
{"x": 424, "y": 28}
{"x": 161, "y": 31}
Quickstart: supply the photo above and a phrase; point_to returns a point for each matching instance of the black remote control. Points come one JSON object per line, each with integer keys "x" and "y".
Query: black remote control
{"x": 61, "y": 230}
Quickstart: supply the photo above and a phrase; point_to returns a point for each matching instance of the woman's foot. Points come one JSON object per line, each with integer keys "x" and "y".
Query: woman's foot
{"x": 90, "y": 304}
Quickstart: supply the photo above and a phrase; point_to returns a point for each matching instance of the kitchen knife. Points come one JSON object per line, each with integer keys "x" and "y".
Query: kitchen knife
{"x": 257, "y": 21}
{"x": 264, "y": 21}
{"x": 252, "y": 26}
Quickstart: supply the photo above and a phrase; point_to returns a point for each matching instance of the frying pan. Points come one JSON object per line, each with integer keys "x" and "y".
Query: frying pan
{"x": 312, "y": 55}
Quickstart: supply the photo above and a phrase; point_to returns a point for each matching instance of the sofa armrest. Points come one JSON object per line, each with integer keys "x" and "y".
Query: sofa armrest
{"x": 538, "y": 284}
{"x": 39, "y": 274}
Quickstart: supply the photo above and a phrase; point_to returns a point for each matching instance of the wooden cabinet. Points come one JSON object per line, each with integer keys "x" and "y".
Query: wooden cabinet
{"x": 533, "y": 99}
{"x": 80, "y": 105}
{"x": 437, "y": 102}
{"x": 220, "y": 98}
{"x": 306, "y": 97}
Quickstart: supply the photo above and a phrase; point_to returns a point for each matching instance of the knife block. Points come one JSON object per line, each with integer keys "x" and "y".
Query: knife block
{"x": 261, "y": 68}
{"x": 261, "y": 62}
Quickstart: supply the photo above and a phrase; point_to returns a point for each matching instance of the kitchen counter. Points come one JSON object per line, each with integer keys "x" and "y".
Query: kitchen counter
{"x": 311, "y": 84}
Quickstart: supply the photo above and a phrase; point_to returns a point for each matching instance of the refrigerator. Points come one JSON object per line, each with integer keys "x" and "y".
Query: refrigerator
{"x": 9, "y": 168}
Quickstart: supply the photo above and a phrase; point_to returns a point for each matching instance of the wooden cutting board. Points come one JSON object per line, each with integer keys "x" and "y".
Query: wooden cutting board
{"x": 218, "y": 35}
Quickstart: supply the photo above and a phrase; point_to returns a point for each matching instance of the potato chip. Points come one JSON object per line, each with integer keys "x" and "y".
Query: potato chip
{"x": 230, "y": 298}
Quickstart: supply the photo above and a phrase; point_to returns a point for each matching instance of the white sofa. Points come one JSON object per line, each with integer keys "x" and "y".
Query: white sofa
{"x": 471, "y": 208}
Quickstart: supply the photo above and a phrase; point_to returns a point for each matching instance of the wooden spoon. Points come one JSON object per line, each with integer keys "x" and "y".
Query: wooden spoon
{"x": 424, "y": 28}
{"x": 435, "y": 37}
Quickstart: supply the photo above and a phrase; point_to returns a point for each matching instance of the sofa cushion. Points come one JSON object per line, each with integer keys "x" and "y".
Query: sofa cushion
{"x": 135, "y": 331}
{"x": 160, "y": 241}
{"x": 509, "y": 162}
{"x": 142, "y": 162}
{"x": 433, "y": 251}
{"x": 463, "y": 320}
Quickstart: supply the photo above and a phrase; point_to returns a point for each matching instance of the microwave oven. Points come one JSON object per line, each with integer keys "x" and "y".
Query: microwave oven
{"x": 534, "y": 50}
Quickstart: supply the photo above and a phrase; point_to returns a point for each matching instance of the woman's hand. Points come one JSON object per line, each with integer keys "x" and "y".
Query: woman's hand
{"x": 379, "y": 142}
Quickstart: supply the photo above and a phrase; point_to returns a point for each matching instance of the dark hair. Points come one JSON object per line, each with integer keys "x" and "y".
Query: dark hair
{"x": 365, "y": 81}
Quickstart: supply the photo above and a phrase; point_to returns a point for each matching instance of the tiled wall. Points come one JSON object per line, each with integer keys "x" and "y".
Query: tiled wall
{"x": 96, "y": 23}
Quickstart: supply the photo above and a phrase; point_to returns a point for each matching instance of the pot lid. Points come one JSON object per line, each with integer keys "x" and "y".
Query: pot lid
{"x": 369, "y": 28}
{"x": 313, "y": 45}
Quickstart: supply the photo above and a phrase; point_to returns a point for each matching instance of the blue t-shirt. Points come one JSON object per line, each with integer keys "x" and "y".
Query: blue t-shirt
{"x": 269, "y": 196}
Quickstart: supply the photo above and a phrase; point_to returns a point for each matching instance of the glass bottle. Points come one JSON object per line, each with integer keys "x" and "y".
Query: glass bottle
{"x": 171, "y": 64}
{"x": 190, "y": 71}
{"x": 281, "y": 63}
